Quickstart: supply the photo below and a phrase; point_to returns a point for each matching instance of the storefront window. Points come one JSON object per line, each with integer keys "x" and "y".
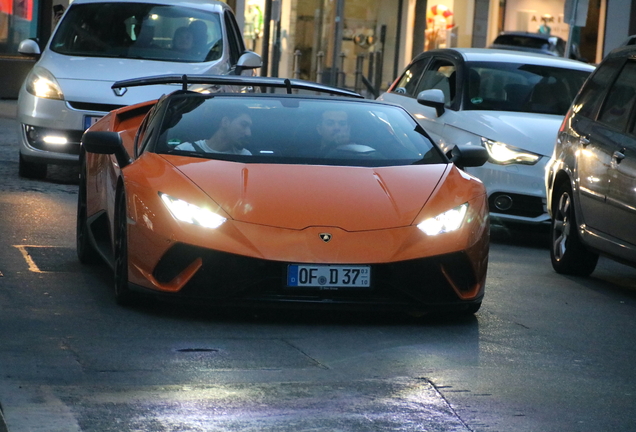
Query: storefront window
{"x": 253, "y": 27}
{"x": 449, "y": 24}
{"x": 536, "y": 17}
{"x": 17, "y": 22}
{"x": 367, "y": 44}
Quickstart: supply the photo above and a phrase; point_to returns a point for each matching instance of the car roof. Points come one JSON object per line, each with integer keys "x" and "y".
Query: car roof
{"x": 510, "y": 56}
{"x": 622, "y": 51}
{"x": 543, "y": 36}
{"x": 211, "y": 5}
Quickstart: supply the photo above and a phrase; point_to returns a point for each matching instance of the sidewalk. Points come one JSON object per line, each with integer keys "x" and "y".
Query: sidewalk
{"x": 8, "y": 109}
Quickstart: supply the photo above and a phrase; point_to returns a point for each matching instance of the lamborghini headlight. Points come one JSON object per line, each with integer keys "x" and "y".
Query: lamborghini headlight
{"x": 186, "y": 212}
{"x": 505, "y": 154}
{"x": 448, "y": 221}
{"x": 41, "y": 83}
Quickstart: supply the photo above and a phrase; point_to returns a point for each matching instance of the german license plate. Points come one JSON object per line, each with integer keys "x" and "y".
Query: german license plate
{"x": 90, "y": 121}
{"x": 328, "y": 276}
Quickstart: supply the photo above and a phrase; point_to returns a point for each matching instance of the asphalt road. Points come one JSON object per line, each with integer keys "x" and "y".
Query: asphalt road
{"x": 545, "y": 352}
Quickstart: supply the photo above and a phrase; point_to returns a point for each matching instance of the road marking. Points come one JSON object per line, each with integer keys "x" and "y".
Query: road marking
{"x": 32, "y": 266}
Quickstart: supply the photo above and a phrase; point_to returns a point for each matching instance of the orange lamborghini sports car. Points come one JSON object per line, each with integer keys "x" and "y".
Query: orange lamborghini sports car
{"x": 310, "y": 196}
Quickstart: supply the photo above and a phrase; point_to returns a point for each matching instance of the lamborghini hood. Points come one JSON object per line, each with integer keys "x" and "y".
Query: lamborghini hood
{"x": 299, "y": 196}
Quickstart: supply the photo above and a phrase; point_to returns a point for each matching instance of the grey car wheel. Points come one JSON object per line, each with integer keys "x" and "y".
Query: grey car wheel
{"x": 568, "y": 254}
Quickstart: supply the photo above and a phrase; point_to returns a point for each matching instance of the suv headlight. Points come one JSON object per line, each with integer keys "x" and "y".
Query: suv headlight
{"x": 504, "y": 154}
{"x": 41, "y": 83}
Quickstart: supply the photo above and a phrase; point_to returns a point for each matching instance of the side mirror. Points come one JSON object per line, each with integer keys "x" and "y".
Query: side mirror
{"x": 103, "y": 142}
{"x": 468, "y": 156}
{"x": 433, "y": 98}
{"x": 249, "y": 60}
{"x": 29, "y": 47}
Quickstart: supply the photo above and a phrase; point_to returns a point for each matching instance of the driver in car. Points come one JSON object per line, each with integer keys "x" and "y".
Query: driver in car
{"x": 334, "y": 130}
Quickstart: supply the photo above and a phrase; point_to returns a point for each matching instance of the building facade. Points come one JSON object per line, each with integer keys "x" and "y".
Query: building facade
{"x": 361, "y": 44}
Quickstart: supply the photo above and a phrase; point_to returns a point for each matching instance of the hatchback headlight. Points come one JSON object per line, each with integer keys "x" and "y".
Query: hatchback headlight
{"x": 505, "y": 154}
{"x": 448, "y": 221}
{"x": 186, "y": 212}
{"x": 41, "y": 83}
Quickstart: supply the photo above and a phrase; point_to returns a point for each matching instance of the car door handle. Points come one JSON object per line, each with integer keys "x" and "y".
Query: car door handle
{"x": 618, "y": 155}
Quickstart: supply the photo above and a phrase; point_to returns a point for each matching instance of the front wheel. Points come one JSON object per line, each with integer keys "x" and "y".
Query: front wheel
{"x": 567, "y": 252}
{"x": 86, "y": 252}
{"x": 123, "y": 295}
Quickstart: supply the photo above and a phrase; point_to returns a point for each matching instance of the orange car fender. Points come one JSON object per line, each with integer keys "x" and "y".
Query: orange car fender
{"x": 152, "y": 228}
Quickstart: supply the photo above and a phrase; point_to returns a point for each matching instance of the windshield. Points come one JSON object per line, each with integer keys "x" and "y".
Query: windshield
{"x": 293, "y": 130}
{"x": 140, "y": 31}
{"x": 494, "y": 86}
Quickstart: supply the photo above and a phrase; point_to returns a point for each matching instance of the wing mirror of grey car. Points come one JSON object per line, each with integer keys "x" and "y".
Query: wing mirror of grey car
{"x": 104, "y": 142}
{"x": 432, "y": 98}
{"x": 468, "y": 156}
{"x": 29, "y": 47}
{"x": 248, "y": 60}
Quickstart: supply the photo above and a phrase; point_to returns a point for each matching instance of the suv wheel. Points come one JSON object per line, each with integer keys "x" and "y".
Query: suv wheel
{"x": 567, "y": 252}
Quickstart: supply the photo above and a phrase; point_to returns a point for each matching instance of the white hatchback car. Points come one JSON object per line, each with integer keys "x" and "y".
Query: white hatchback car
{"x": 98, "y": 42}
{"x": 510, "y": 103}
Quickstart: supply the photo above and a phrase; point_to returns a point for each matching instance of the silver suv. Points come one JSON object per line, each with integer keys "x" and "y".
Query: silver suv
{"x": 591, "y": 177}
{"x": 99, "y": 42}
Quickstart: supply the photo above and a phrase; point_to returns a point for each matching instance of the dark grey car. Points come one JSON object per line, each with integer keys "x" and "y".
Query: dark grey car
{"x": 591, "y": 178}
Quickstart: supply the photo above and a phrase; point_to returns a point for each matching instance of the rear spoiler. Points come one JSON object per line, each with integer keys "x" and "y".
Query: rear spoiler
{"x": 236, "y": 80}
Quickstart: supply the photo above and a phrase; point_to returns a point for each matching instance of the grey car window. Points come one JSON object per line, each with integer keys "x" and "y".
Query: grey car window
{"x": 440, "y": 75}
{"x": 593, "y": 91}
{"x": 498, "y": 86}
{"x": 140, "y": 31}
{"x": 620, "y": 99}
{"x": 408, "y": 82}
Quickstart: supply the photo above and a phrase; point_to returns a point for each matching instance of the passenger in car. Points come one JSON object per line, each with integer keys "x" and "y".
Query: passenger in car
{"x": 199, "y": 30}
{"x": 232, "y": 134}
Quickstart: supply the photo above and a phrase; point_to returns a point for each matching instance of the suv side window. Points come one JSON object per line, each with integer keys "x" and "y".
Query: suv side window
{"x": 441, "y": 74}
{"x": 592, "y": 92}
{"x": 620, "y": 98}
{"x": 408, "y": 83}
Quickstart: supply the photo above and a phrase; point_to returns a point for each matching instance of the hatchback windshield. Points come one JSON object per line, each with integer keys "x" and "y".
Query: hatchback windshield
{"x": 495, "y": 86}
{"x": 294, "y": 130}
{"x": 140, "y": 31}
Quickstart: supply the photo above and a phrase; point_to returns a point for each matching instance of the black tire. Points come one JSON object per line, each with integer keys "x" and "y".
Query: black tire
{"x": 123, "y": 295}
{"x": 85, "y": 250}
{"x": 32, "y": 170}
{"x": 567, "y": 252}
